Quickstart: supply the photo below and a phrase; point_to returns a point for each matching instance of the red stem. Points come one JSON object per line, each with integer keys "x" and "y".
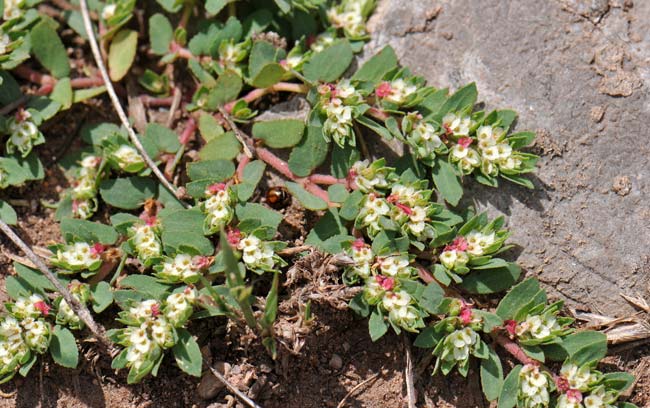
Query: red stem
{"x": 514, "y": 349}
{"x": 188, "y": 132}
{"x": 260, "y": 92}
{"x": 243, "y": 161}
{"x": 277, "y": 163}
{"x": 78, "y": 83}
{"x": 378, "y": 114}
{"x": 154, "y": 102}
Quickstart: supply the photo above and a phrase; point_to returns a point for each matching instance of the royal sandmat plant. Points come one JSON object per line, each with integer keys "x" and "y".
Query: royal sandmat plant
{"x": 419, "y": 258}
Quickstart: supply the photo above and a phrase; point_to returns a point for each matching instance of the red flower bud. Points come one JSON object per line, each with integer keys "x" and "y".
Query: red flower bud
{"x": 215, "y": 188}
{"x": 358, "y": 244}
{"x": 407, "y": 210}
{"x": 384, "y": 90}
{"x": 574, "y": 395}
{"x": 234, "y": 236}
{"x": 460, "y": 243}
{"x": 385, "y": 282}
{"x": 562, "y": 384}
{"x": 155, "y": 310}
{"x": 465, "y": 141}
{"x": 97, "y": 249}
{"x": 43, "y": 307}
{"x": 466, "y": 314}
{"x": 510, "y": 326}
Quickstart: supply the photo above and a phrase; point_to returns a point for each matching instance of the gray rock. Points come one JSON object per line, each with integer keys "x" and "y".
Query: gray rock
{"x": 210, "y": 386}
{"x": 578, "y": 73}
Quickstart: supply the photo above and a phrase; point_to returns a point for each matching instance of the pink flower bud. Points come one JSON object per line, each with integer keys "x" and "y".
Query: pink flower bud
{"x": 466, "y": 314}
{"x": 43, "y": 307}
{"x": 215, "y": 188}
{"x": 234, "y": 236}
{"x": 97, "y": 249}
{"x": 358, "y": 244}
{"x": 460, "y": 243}
{"x": 385, "y": 282}
{"x": 510, "y": 326}
{"x": 155, "y": 310}
{"x": 384, "y": 90}
{"x": 574, "y": 395}
{"x": 562, "y": 384}
{"x": 465, "y": 141}
{"x": 201, "y": 262}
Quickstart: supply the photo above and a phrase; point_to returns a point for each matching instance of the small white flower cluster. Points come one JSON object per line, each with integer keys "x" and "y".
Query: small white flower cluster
{"x": 600, "y": 398}
{"x": 145, "y": 241}
{"x": 538, "y": 327}
{"x": 231, "y": 53}
{"x": 458, "y": 346}
{"x": 109, "y": 11}
{"x": 495, "y": 152}
{"x": 21, "y": 331}
{"x": 65, "y": 315}
{"x": 12, "y": 9}
{"x": 128, "y": 159}
{"x": 363, "y": 258}
{"x": 182, "y": 268}
{"x": 218, "y": 208}
{"x": 374, "y": 207}
{"x": 338, "y": 124}
{"x": 456, "y": 255}
{"x": 422, "y": 137}
{"x": 533, "y": 387}
{"x": 23, "y": 134}
{"x": 151, "y": 326}
{"x": 399, "y": 306}
{"x": 457, "y": 125}
{"x": 258, "y": 255}
{"x": 397, "y": 91}
{"x": 350, "y": 17}
{"x": 368, "y": 177}
{"x": 578, "y": 378}
{"x": 84, "y": 191}
{"x": 77, "y": 256}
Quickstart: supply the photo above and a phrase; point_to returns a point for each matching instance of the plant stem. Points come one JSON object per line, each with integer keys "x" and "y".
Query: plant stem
{"x": 154, "y": 102}
{"x": 80, "y": 309}
{"x": 260, "y": 92}
{"x": 514, "y": 349}
{"x": 378, "y": 114}
{"x": 326, "y": 179}
{"x": 118, "y": 106}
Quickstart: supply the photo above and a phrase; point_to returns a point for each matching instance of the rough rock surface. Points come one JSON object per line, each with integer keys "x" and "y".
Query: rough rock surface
{"x": 578, "y": 73}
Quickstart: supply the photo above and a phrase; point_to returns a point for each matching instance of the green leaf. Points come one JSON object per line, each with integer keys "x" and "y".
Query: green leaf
{"x": 310, "y": 153}
{"x": 27, "y": 365}
{"x": 307, "y": 199}
{"x": 87, "y": 231}
{"x": 377, "y": 325}
{"x": 163, "y": 138}
{"x": 49, "y": 50}
{"x": 226, "y": 89}
{"x": 213, "y": 7}
{"x": 618, "y": 381}
{"x": 217, "y": 170}
{"x": 34, "y": 278}
{"x": 101, "y": 295}
{"x": 433, "y": 103}
{"x": 591, "y": 347}
{"x": 10, "y": 90}
{"x": 63, "y": 347}
{"x": 534, "y": 352}
{"x": 209, "y": 128}
{"x": 161, "y": 34}
{"x": 490, "y": 320}
{"x": 271, "y": 304}
{"x": 146, "y": 285}
{"x": 328, "y": 233}
{"x": 269, "y": 75}
{"x": 183, "y": 228}
{"x": 121, "y": 53}
{"x": 258, "y": 216}
{"x": 376, "y": 67}
{"x": 338, "y": 193}
{"x": 251, "y": 177}
{"x": 491, "y": 375}
{"x": 375, "y": 127}
{"x": 518, "y": 179}
{"x": 572, "y": 344}
{"x": 7, "y": 213}
{"x": 447, "y": 182}
{"x": 351, "y": 206}
{"x": 510, "y": 389}
{"x": 492, "y": 280}
{"x": 80, "y": 95}
{"x": 359, "y": 305}
{"x": 329, "y": 64}
{"x": 463, "y": 99}
{"x": 279, "y": 134}
{"x": 518, "y": 297}
{"x": 127, "y": 193}
{"x": 520, "y": 139}
{"x": 431, "y": 297}
{"x": 187, "y": 353}
{"x": 222, "y": 147}
{"x": 62, "y": 93}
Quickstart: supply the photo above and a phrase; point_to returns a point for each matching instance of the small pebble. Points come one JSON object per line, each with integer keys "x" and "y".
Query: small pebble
{"x": 336, "y": 362}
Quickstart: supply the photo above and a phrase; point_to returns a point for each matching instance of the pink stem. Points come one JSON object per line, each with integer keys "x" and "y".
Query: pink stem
{"x": 78, "y": 83}
{"x": 318, "y": 192}
{"x": 260, "y": 92}
{"x": 243, "y": 161}
{"x": 154, "y": 102}
{"x": 514, "y": 349}
{"x": 277, "y": 163}
{"x": 188, "y": 132}
{"x": 326, "y": 179}
{"x": 30, "y": 75}
{"x": 378, "y": 114}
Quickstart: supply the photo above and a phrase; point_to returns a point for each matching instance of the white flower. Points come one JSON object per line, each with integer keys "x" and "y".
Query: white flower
{"x": 85, "y": 188}
{"x": 374, "y": 207}
{"x": 456, "y": 124}
{"x": 256, "y": 253}
{"x": 396, "y": 266}
{"x": 4, "y": 42}
{"x": 128, "y": 158}
{"x": 11, "y": 331}
{"x": 533, "y": 386}
{"x": 345, "y": 90}
{"x": 397, "y": 299}
{"x": 161, "y": 332}
{"x": 109, "y": 11}
{"x": 77, "y": 256}
{"x": 294, "y": 61}
{"x": 84, "y": 208}
{"x": 367, "y": 178}
{"x": 22, "y": 135}
{"x": 477, "y": 242}
{"x": 460, "y": 343}
{"x": 12, "y": 9}
{"x": 146, "y": 242}
{"x": 400, "y": 91}
{"x": 145, "y": 310}
{"x": 36, "y": 334}
{"x": 539, "y": 327}
{"x": 491, "y": 153}
{"x": 403, "y": 316}
{"x": 372, "y": 290}
{"x": 579, "y": 378}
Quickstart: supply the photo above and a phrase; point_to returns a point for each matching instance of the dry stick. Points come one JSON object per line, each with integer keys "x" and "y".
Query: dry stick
{"x": 356, "y": 387}
{"x": 231, "y": 387}
{"x": 13, "y": 105}
{"x": 241, "y": 137}
{"x": 116, "y": 102}
{"x": 408, "y": 373}
{"x": 80, "y": 309}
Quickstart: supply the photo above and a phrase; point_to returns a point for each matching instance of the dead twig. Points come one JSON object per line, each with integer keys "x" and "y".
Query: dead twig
{"x": 231, "y": 387}
{"x": 79, "y": 309}
{"x": 118, "y": 106}
{"x": 356, "y": 387}
{"x": 241, "y": 137}
{"x": 408, "y": 372}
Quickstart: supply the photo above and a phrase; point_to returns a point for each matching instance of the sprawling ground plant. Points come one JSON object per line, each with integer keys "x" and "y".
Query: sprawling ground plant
{"x": 169, "y": 256}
